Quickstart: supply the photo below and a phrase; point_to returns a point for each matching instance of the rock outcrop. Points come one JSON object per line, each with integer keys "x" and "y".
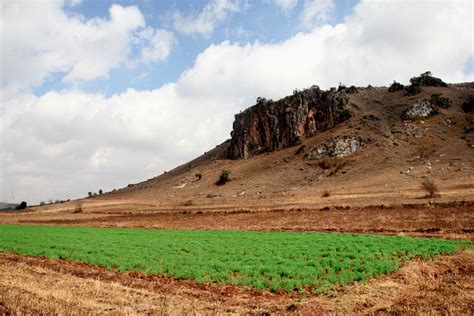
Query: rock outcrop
{"x": 420, "y": 110}
{"x": 269, "y": 125}
{"x": 337, "y": 147}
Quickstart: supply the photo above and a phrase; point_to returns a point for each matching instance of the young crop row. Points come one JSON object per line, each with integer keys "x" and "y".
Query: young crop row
{"x": 264, "y": 260}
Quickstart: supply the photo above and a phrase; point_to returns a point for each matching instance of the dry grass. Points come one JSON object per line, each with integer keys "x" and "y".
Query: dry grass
{"x": 441, "y": 285}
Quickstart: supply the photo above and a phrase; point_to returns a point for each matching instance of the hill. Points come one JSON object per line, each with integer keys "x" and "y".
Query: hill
{"x": 349, "y": 150}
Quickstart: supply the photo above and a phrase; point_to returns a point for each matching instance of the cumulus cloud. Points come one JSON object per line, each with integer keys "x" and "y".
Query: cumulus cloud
{"x": 316, "y": 12}
{"x": 204, "y": 23}
{"x": 39, "y": 39}
{"x": 63, "y": 144}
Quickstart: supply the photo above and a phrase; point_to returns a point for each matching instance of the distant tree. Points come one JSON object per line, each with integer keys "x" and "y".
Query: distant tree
{"x": 396, "y": 86}
{"x": 21, "y": 206}
{"x": 42, "y": 203}
{"x": 261, "y": 100}
{"x": 100, "y": 192}
{"x": 89, "y": 194}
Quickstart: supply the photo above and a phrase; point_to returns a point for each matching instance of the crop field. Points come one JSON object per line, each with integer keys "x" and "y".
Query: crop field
{"x": 315, "y": 262}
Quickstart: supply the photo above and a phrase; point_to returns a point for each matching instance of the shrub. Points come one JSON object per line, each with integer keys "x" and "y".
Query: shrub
{"x": 188, "y": 203}
{"x": 224, "y": 177}
{"x": 427, "y": 80}
{"x": 430, "y": 187}
{"x": 77, "y": 207}
{"x": 326, "y": 193}
{"x": 468, "y": 106}
{"x": 198, "y": 175}
{"x": 352, "y": 89}
{"x": 396, "y": 86}
{"x": 412, "y": 90}
{"x": 21, "y": 206}
{"x": 346, "y": 114}
{"x": 440, "y": 101}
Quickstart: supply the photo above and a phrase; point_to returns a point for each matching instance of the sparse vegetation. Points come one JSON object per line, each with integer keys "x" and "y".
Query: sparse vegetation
{"x": 224, "y": 177}
{"x": 326, "y": 193}
{"x": 430, "y": 187}
{"x": 100, "y": 192}
{"x": 275, "y": 261}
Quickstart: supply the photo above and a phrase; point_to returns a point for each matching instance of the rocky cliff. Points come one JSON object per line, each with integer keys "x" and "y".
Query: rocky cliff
{"x": 270, "y": 125}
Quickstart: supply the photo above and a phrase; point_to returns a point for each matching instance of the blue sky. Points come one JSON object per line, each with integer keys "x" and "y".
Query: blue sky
{"x": 99, "y": 94}
{"x": 262, "y": 21}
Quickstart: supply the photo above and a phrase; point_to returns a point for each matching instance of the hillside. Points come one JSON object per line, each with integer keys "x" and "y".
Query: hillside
{"x": 397, "y": 153}
{"x": 358, "y": 153}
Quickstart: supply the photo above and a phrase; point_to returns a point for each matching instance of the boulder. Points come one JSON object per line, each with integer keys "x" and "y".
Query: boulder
{"x": 419, "y": 110}
{"x": 337, "y": 147}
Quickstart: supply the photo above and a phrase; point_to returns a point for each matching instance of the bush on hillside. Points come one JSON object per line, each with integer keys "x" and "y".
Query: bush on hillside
{"x": 430, "y": 187}
{"x": 468, "y": 106}
{"x": 21, "y": 206}
{"x": 427, "y": 80}
{"x": 224, "y": 177}
{"x": 440, "y": 101}
{"x": 396, "y": 86}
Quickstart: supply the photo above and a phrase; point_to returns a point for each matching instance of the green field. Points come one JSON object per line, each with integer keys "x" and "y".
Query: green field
{"x": 313, "y": 262}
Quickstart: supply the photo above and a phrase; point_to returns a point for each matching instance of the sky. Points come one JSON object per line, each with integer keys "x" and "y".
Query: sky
{"x": 97, "y": 94}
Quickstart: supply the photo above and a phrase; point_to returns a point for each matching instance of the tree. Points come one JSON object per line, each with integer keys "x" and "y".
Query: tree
{"x": 89, "y": 194}
{"x": 100, "y": 192}
{"x": 21, "y": 206}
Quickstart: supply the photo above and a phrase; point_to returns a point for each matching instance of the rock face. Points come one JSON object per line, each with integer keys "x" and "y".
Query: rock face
{"x": 269, "y": 126}
{"x": 337, "y": 147}
{"x": 421, "y": 109}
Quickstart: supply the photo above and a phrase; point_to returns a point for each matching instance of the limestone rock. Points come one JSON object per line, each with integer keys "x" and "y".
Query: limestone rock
{"x": 421, "y": 109}
{"x": 269, "y": 126}
{"x": 337, "y": 147}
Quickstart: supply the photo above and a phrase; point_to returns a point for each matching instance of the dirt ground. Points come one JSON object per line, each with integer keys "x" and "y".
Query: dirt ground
{"x": 40, "y": 286}
{"x": 453, "y": 220}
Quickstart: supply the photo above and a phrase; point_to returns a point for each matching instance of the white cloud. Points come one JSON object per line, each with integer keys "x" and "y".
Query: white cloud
{"x": 64, "y": 144}
{"x": 213, "y": 13}
{"x": 156, "y": 45}
{"x": 285, "y": 5}
{"x": 39, "y": 39}
{"x": 316, "y": 12}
